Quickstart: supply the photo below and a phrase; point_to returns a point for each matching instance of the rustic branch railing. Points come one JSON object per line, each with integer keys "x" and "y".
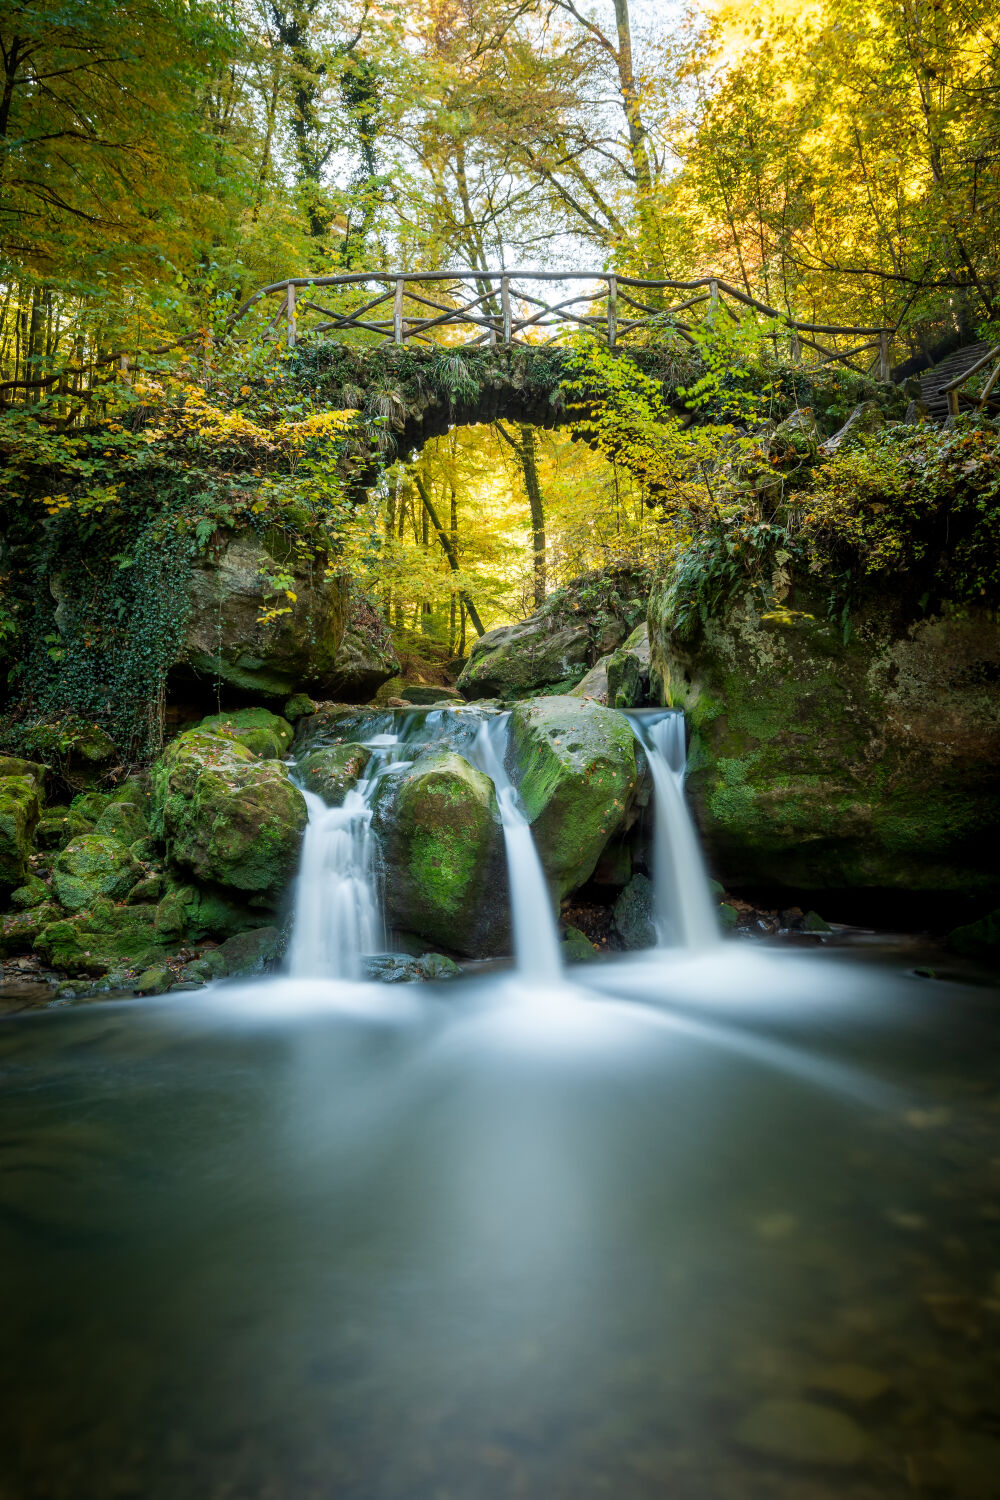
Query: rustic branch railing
{"x": 984, "y": 400}
{"x": 503, "y": 308}
{"x": 496, "y": 307}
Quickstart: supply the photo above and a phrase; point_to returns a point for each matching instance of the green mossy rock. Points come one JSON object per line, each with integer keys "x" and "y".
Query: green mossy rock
{"x": 978, "y": 939}
{"x": 91, "y": 805}
{"x": 366, "y": 659}
{"x": 595, "y": 683}
{"x": 32, "y": 893}
{"x": 628, "y": 671}
{"x": 438, "y": 966}
{"x": 58, "y": 825}
{"x": 574, "y": 764}
{"x": 632, "y": 921}
{"x": 154, "y": 980}
{"x": 577, "y": 947}
{"x": 150, "y": 889}
{"x": 20, "y": 809}
{"x": 265, "y": 734}
{"x": 442, "y": 855}
{"x": 93, "y": 866}
{"x": 522, "y": 658}
{"x": 333, "y": 772}
{"x": 227, "y": 817}
{"x": 123, "y": 821}
{"x": 13, "y": 765}
{"x": 250, "y": 952}
{"x": 19, "y": 929}
{"x": 103, "y": 938}
{"x": 819, "y": 763}
{"x": 299, "y": 706}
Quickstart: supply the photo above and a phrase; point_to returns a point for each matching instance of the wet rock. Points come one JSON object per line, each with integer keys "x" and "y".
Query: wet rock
{"x": 229, "y": 635}
{"x": 155, "y": 980}
{"x": 251, "y": 952}
{"x": 93, "y": 866}
{"x": 595, "y": 683}
{"x": 803, "y": 1432}
{"x": 58, "y": 825}
{"x": 728, "y": 915}
{"x": 19, "y": 929}
{"x": 392, "y": 968}
{"x": 150, "y": 889}
{"x": 536, "y": 653}
{"x": 226, "y": 816}
{"x": 633, "y": 923}
{"x": 854, "y": 1383}
{"x": 101, "y": 938}
{"x": 439, "y": 966}
{"x": 575, "y": 768}
{"x": 197, "y": 972}
{"x": 978, "y": 939}
{"x": 332, "y": 772}
{"x": 628, "y": 671}
{"x": 124, "y": 821}
{"x": 422, "y": 693}
{"x": 299, "y": 706}
{"x": 442, "y": 857}
{"x": 264, "y": 734}
{"x": 813, "y": 922}
{"x": 577, "y": 947}
{"x": 20, "y": 809}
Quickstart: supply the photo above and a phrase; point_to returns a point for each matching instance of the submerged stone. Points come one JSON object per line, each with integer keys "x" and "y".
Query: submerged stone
{"x": 803, "y": 1432}
{"x": 575, "y": 768}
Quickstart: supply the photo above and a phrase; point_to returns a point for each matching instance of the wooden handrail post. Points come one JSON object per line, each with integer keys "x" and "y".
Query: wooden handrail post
{"x": 883, "y": 354}
{"x": 290, "y": 314}
{"x": 505, "y": 308}
{"x": 397, "y": 312}
{"x": 953, "y": 403}
{"x": 612, "y": 311}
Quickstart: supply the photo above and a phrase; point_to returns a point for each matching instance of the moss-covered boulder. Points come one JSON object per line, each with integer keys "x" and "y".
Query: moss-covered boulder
{"x": 91, "y": 866}
{"x": 978, "y": 939}
{"x": 91, "y": 805}
{"x": 594, "y": 684}
{"x": 575, "y": 767}
{"x": 20, "y": 809}
{"x": 226, "y": 816}
{"x": 366, "y": 657}
{"x": 32, "y": 893}
{"x": 628, "y": 671}
{"x": 825, "y": 758}
{"x": 124, "y": 821}
{"x": 534, "y": 654}
{"x": 299, "y": 706}
{"x": 234, "y": 636}
{"x": 332, "y": 772}
{"x": 442, "y": 855}
{"x": 265, "y": 734}
{"x": 103, "y": 937}
{"x": 58, "y": 825}
{"x": 633, "y": 922}
{"x": 19, "y": 929}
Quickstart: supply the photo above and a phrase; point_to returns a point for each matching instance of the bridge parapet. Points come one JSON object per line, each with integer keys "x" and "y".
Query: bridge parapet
{"x": 465, "y": 309}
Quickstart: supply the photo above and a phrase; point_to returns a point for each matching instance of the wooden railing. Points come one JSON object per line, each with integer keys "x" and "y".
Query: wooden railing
{"x": 982, "y": 401}
{"x": 509, "y": 307}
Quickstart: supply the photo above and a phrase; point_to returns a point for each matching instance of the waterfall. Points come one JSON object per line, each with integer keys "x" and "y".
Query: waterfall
{"x": 536, "y": 938}
{"x": 684, "y": 911}
{"x": 337, "y": 916}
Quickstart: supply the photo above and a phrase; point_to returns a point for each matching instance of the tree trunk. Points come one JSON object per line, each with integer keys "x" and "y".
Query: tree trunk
{"x": 529, "y": 463}
{"x": 442, "y": 537}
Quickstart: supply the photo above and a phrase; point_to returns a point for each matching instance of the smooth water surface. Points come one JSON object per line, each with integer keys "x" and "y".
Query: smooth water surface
{"x": 300, "y": 1240}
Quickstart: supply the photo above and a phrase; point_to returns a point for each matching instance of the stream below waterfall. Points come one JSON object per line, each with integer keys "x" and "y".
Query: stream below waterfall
{"x": 717, "y": 1221}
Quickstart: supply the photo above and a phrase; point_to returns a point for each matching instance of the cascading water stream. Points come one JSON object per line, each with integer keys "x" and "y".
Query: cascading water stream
{"x": 337, "y": 916}
{"x": 684, "y": 913}
{"x": 536, "y": 939}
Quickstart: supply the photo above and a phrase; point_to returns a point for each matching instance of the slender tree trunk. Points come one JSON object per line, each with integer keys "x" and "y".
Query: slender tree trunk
{"x": 529, "y": 463}
{"x": 443, "y": 538}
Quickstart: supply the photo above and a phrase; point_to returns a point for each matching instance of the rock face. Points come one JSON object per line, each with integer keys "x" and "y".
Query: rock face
{"x": 595, "y": 683}
{"x": 366, "y": 656}
{"x": 628, "y": 671}
{"x": 442, "y": 855}
{"x": 94, "y": 866}
{"x": 225, "y": 815}
{"x": 20, "y": 809}
{"x": 519, "y": 658}
{"x": 334, "y": 771}
{"x": 574, "y": 765}
{"x": 817, "y": 763}
{"x": 272, "y": 659}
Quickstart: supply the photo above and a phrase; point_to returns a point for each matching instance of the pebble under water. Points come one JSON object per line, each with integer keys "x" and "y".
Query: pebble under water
{"x": 708, "y": 1228}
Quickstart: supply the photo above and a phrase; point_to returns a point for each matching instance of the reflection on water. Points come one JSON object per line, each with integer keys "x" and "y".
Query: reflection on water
{"x": 717, "y": 1228}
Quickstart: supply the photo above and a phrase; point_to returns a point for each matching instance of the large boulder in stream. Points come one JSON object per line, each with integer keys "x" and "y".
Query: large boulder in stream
{"x": 819, "y": 762}
{"x": 536, "y": 653}
{"x": 333, "y": 770}
{"x": 225, "y": 815}
{"x": 574, "y": 763}
{"x": 442, "y": 855}
{"x": 20, "y": 808}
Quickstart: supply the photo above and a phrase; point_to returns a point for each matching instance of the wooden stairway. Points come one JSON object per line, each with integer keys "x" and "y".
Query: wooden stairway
{"x": 932, "y": 381}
